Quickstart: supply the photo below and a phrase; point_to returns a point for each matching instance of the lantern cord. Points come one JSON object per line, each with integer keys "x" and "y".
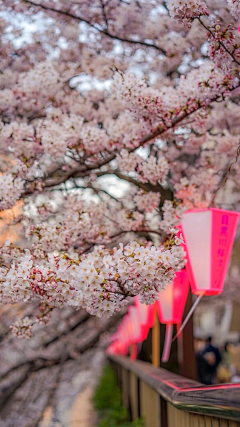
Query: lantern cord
{"x": 167, "y": 343}
{"x": 188, "y": 316}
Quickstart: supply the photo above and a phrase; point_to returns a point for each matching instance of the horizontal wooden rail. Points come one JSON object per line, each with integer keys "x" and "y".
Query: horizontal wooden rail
{"x": 169, "y": 400}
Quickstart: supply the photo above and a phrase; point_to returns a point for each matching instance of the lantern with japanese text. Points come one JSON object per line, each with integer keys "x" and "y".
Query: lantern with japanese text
{"x": 170, "y": 306}
{"x": 209, "y": 236}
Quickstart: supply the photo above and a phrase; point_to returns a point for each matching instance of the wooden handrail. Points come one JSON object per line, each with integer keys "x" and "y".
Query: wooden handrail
{"x": 217, "y": 400}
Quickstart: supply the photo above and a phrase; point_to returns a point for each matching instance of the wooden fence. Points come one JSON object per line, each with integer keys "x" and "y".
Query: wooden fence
{"x": 165, "y": 399}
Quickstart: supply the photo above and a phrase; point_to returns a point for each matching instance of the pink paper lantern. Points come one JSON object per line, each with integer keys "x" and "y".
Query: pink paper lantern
{"x": 134, "y": 325}
{"x": 126, "y": 331}
{"x": 145, "y": 315}
{"x": 172, "y": 300}
{"x": 133, "y": 329}
{"x": 209, "y": 236}
{"x": 170, "y": 306}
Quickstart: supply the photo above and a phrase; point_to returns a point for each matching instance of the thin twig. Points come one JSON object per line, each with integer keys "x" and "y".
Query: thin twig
{"x": 226, "y": 175}
{"x": 100, "y": 30}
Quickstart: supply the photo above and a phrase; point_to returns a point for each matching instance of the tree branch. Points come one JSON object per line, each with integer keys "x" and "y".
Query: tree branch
{"x": 166, "y": 194}
{"x": 219, "y": 41}
{"x": 100, "y": 30}
{"x": 38, "y": 363}
{"x": 85, "y": 170}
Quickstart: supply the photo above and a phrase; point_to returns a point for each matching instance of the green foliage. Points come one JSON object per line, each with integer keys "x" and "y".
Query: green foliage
{"x": 107, "y": 400}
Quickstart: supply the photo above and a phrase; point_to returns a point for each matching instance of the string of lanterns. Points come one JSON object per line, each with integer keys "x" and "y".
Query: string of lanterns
{"x": 208, "y": 235}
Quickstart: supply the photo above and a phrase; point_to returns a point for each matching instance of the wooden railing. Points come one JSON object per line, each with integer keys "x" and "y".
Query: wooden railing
{"x": 165, "y": 399}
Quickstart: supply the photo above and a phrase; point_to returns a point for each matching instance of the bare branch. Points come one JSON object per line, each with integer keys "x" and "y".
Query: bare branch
{"x": 100, "y": 30}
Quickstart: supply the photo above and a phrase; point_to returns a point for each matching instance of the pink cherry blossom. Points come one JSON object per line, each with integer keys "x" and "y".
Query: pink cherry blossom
{"x": 115, "y": 117}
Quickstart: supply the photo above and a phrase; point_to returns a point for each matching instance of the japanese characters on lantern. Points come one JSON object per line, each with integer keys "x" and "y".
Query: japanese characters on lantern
{"x": 209, "y": 236}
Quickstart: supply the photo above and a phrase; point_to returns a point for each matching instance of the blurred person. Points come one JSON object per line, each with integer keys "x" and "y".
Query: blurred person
{"x": 212, "y": 357}
{"x": 203, "y": 371}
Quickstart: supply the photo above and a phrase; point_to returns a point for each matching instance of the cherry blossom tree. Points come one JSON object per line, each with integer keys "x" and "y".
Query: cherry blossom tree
{"x": 116, "y": 116}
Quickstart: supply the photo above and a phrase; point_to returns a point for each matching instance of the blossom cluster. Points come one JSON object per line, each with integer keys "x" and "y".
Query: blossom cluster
{"x": 58, "y": 131}
{"x": 185, "y": 11}
{"x": 158, "y": 106}
{"x": 99, "y": 281}
{"x": 223, "y": 46}
{"x": 10, "y": 190}
{"x": 78, "y": 223}
{"x": 147, "y": 201}
{"x": 234, "y": 8}
{"x": 171, "y": 216}
{"x": 22, "y": 328}
{"x": 150, "y": 170}
{"x": 44, "y": 77}
{"x": 145, "y": 103}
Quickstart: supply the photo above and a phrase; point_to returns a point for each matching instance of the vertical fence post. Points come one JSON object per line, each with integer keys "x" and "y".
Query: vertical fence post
{"x": 125, "y": 388}
{"x": 149, "y": 405}
{"x": 134, "y": 396}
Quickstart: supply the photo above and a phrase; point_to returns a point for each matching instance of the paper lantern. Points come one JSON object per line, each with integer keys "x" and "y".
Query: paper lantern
{"x": 170, "y": 306}
{"x": 134, "y": 325}
{"x": 126, "y": 334}
{"x": 133, "y": 329}
{"x": 209, "y": 236}
{"x": 121, "y": 338}
{"x": 145, "y": 315}
{"x": 172, "y": 299}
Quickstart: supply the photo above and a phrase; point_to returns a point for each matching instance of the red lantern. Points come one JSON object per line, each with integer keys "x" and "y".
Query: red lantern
{"x": 145, "y": 315}
{"x": 133, "y": 329}
{"x": 121, "y": 338}
{"x": 134, "y": 325}
{"x": 209, "y": 236}
{"x": 172, "y": 300}
{"x": 170, "y": 306}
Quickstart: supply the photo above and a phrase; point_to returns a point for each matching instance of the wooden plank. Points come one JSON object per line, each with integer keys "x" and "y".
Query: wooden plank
{"x": 194, "y": 420}
{"x": 175, "y": 418}
{"x": 149, "y": 405}
{"x": 234, "y": 424}
{"x": 215, "y": 422}
{"x": 125, "y": 388}
{"x": 208, "y": 421}
{"x": 201, "y": 421}
{"x": 170, "y": 413}
{"x": 224, "y": 423}
{"x": 187, "y": 419}
{"x": 133, "y": 395}
{"x": 180, "y": 418}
